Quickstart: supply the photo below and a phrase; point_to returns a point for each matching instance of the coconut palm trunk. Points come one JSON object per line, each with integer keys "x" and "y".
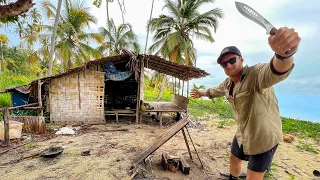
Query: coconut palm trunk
{"x": 53, "y": 37}
{"x": 163, "y": 85}
{"x": 1, "y": 60}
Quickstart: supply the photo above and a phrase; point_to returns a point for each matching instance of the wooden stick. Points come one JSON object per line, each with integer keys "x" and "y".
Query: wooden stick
{"x": 39, "y": 96}
{"x": 27, "y": 105}
{"x": 26, "y": 108}
{"x": 31, "y": 155}
{"x": 6, "y": 126}
{"x": 172, "y": 85}
{"x": 110, "y": 130}
{"x": 79, "y": 90}
{"x": 182, "y": 87}
{"x": 188, "y": 89}
{"x": 179, "y": 88}
{"x": 5, "y": 151}
{"x": 194, "y": 146}
{"x": 175, "y": 85}
{"x": 186, "y": 140}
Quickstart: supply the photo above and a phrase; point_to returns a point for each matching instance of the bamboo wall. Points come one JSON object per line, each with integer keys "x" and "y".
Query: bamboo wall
{"x": 77, "y": 97}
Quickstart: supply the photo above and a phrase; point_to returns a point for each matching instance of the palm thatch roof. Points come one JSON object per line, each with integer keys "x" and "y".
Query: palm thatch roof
{"x": 153, "y": 62}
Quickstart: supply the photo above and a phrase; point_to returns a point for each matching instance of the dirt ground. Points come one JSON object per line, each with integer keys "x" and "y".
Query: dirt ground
{"x": 112, "y": 153}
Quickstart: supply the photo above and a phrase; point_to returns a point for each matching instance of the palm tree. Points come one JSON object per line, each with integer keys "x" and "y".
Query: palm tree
{"x": 3, "y": 40}
{"x": 72, "y": 45}
{"x": 53, "y": 37}
{"x": 117, "y": 38}
{"x": 173, "y": 33}
{"x": 200, "y": 87}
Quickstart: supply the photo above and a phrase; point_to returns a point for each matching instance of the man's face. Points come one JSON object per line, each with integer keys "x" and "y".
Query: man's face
{"x": 232, "y": 69}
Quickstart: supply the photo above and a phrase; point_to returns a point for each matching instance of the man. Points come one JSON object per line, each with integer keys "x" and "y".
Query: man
{"x": 249, "y": 90}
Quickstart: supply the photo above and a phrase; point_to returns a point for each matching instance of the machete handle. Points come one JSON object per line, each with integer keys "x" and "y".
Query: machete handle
{"x": 273, "y": 32}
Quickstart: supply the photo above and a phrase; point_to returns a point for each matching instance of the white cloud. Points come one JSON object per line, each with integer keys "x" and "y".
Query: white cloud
{"x": 234, "y": 29}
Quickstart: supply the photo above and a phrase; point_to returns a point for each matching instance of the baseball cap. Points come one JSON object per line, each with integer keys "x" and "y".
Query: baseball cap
{"x": 228, "y": 50}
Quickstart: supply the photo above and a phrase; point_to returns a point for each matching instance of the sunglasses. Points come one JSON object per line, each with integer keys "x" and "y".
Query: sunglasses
{"x": 230, "y": 61}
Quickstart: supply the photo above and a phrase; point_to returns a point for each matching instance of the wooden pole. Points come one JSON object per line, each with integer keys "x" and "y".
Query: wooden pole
{"x": 194, "y": 146}
{"x": 179, "y": 88}
{"x": 182, "y": 86}
{"x": 22, "y": 106}
{"x": 175, "y": 85}
{"x": 172, "y": 85}
{"x": 79, "y": 96}
{"x": 188, "y": 89}
{"x": 39, "y": 96}
{"x": 6, "y": 126}
{"x": 186, "y": 140}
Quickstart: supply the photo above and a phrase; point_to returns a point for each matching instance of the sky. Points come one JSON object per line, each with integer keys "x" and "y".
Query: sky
{"x": 298, "y": 94}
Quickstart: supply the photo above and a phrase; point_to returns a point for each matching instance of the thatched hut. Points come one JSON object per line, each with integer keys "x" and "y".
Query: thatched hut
{"x": 108, "y": 86}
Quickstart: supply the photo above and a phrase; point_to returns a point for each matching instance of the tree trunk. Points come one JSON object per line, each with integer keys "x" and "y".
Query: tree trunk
{"x": 16, "y": 8}
{"x": 107, "y": 7}
{"x": 145, "y": 48}
{"x": 163, "y": 84}
{"x": 69, "y": 61}
{"x": 53, "y": 37}
{"x": 122, "y": 11}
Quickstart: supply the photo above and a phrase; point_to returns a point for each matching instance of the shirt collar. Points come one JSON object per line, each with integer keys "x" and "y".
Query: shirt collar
{"x": 244, "y": 72}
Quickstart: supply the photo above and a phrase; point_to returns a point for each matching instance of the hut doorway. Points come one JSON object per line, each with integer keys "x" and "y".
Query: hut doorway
{"x": 120, "y": 96}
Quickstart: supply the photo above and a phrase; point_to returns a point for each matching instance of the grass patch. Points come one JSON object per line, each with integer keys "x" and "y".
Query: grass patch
{"x": 29, "y": 145}
{"x": 307, "y": 147}
{"x": 271, "y": 173}
{"x": 301, "y": 128}
{"x": 223, "y": 123}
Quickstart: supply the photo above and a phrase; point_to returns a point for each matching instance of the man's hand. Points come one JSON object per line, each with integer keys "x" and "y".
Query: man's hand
{"x": 283, "y": 40}
{"x": 196, "y": 94}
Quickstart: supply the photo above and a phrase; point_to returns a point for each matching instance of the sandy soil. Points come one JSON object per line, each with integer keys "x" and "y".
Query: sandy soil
{"x": 112, "y": 154}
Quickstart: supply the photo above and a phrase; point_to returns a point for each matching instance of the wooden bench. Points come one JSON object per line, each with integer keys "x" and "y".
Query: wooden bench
{"x": 120, "y": 112}
{"x": 178, "y": 104}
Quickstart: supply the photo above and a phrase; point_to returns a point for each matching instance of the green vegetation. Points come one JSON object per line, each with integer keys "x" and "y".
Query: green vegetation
{"x": 271, "y": 172}
{"x": 307, "y": 147}
{"x": 301, "y": 128}
{"x": 200, "y": 109}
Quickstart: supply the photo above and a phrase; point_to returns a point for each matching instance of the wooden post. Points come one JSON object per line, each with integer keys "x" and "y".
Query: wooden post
{"x": 179, "y": 88}
{"x": 182, "y": 86}
{"x": 160, "y": 118}
{"x": 188, "y": 89}
{"x": 79, "y": 94}
{"x": 117, "y": 117}
{"x": 186, "y": 140}
{"x": 172, "y": 85}
{"x": 39, "y": 96}
{"x": 140, "y": 92}
{"x": 6, "y": 126}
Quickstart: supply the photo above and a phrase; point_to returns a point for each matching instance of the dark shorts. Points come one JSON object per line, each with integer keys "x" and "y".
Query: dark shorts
{"x": 257, "y": 163}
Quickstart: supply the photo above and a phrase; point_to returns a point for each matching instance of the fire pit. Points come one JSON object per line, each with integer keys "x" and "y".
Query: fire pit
{"x": 51, "y": 152}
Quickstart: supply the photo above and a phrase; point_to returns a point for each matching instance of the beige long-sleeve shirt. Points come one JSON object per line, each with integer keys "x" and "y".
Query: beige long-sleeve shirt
{"x": 255, "y": 106}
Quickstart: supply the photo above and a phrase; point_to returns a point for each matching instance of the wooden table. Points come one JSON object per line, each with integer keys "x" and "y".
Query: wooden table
{"x": 163, "y": 107}
{"x": 120, "y": 112}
